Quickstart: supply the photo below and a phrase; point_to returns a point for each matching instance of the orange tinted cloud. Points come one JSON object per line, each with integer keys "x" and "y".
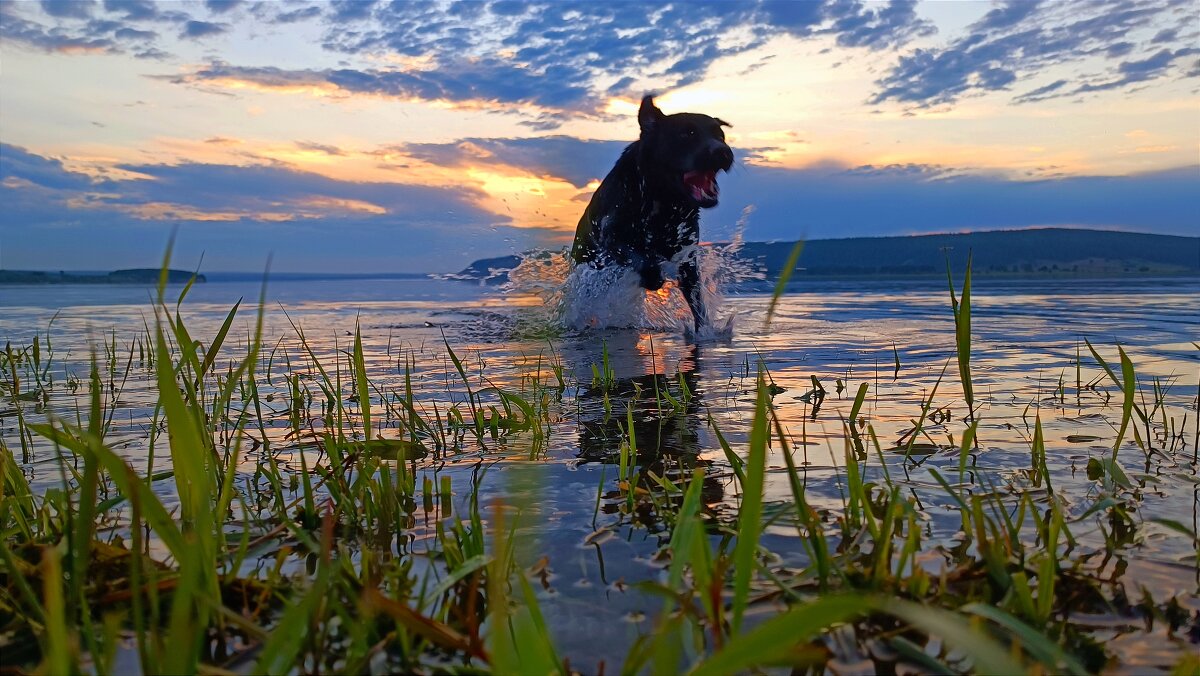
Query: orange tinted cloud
{"x": 528, "y": 199}
{"x": 165, "y": 211}
{"x": 337, "y": 204}
{"x": 317, "y": 206}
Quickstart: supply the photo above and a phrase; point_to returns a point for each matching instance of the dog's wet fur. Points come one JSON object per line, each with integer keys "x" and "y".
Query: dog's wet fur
{"x": 647, "y": 210}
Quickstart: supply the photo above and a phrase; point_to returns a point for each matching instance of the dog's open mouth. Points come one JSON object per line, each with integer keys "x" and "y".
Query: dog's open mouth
{"x": 702, "y": 186}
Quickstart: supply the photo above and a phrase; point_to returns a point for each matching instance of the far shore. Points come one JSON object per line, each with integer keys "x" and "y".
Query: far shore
{"x": 131, "y": 276}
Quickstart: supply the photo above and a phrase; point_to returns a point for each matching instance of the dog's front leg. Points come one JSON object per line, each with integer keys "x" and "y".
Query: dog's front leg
{"x": 648, "y": 268}
{"x": 689, "y": 283}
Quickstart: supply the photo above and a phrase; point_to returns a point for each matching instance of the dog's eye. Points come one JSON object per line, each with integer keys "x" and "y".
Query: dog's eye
{"x": 689, "y": 132}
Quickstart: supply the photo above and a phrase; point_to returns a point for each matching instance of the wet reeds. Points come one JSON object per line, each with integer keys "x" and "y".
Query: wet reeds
{"x": 227, "y": 559}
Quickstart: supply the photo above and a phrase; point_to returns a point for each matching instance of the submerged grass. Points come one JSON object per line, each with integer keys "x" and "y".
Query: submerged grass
{"x": 195, "y": 579}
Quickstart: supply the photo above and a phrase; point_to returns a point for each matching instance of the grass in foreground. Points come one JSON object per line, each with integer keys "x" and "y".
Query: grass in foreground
{"x": 187, "y": 569}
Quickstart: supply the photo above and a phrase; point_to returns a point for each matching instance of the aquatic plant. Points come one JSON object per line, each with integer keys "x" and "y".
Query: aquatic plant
{"x": 303, "y": 524}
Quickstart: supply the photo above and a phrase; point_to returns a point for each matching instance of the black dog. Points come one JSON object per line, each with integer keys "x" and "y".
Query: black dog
{"x": 647, "y": 209}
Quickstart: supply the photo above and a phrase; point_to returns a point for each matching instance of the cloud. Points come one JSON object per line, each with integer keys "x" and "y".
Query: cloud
{"x": 315, "y": 222}
{"x": 556, "y": 57}
{"x": 798, "y": 18}
{"x": 127, "y": 33}
{"x": 546, "y": 121}
{"x": 221, "y": 6}
{"x": 314, "y": 147}
{"x": 16, "y": 29}
{"x": 84, "y": 33}
{"x": 1165, "y": 35}
{"x": 577, "y": 161}
{"x": 45, "y": 172}
{"x": 1119, "y": 49}
{"x": 571, "y": 56}
{"x": 567, "y": 46}
{"x": 1041, "y": 93}
{"x": 198, "y": 29}
{"x": 468, "y": 86}
{"x": 893, "y": 24}
{"x": 285, "y": 193}
{"x": 553, "y": 56}
{"x": 265, "y": 77}
{"x": 1007, "y": 14}
{"x": 296, "y": 15}
{"x": 1019, "y": 39}
{"x": 1139, "y": 71}
{"x": 351, "y": 10}
{"x": 134, "y": 10}
{"x": 908, "y": 170}
{"x": 152, "y": 53}
{"x": 74, "y": 9}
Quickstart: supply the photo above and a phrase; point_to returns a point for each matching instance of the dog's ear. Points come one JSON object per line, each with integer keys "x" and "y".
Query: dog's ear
{"x": 649, "y": 114}
{"x": 721, "y": 122}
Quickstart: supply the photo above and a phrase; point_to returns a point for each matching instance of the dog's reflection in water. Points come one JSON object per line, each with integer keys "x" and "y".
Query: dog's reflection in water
{"x": 666, "y": 434}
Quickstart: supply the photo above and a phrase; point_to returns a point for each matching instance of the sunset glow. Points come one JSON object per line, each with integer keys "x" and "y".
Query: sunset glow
{"x": 392, "y": 132}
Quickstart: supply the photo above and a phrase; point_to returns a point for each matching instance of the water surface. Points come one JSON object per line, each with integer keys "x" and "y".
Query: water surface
{"x": 1027, "y": 336}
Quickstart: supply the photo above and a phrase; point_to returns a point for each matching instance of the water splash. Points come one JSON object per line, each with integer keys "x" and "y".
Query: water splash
{"x": 551, "y": 295}
{"x": 611, "y": 298}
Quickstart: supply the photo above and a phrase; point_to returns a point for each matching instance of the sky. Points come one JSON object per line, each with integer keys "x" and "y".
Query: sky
{"x": 360, "y": 136}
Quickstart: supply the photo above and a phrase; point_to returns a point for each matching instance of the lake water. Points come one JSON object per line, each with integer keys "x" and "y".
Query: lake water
{"x": 1026, "y": 339}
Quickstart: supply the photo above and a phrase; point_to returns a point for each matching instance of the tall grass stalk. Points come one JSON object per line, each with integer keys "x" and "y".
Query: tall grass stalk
{"x": 962, "y": 333}
{"x": 750, "y": 512}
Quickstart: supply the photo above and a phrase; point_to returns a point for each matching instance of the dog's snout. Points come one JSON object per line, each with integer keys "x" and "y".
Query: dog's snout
{"x": 723, "y": 156}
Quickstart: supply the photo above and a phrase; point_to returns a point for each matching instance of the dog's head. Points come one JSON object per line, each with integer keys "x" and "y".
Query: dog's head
{"x": 682, "y": 153}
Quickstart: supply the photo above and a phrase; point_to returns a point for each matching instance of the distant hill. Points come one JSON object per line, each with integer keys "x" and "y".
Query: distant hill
{"x": 130, "y": 276}
{"x": 1047, "y": 251}
{"x": 1061, "y": 252}
{"x": 489, "y": 270}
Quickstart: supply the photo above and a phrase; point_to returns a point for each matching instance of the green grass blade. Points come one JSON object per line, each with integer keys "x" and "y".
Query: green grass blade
{"x": 968, "y": 441}
{"x": 533, "y": 637}
{"x": 962, "y": 336}
{"x": 164, "y": 271}
{"x": 1129, "y": 387}
{"x": 736, "y": 463}
{"x": 286, "y": 640}
{"x": 360, "y": 379}
{"x": 15, "y": 492}
{"x": 211, "y": 354}
{"x": 189, "y": 454}
{"x": 1035, "y": 642}
{"x": 750, "y": 514}
{"x": 859, "y": 446}
{"x": 59, "y": 652}
{"x": 773, "y": 640}
{"x": 1103, "y": 364}
{"x": 988, "y": 655}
